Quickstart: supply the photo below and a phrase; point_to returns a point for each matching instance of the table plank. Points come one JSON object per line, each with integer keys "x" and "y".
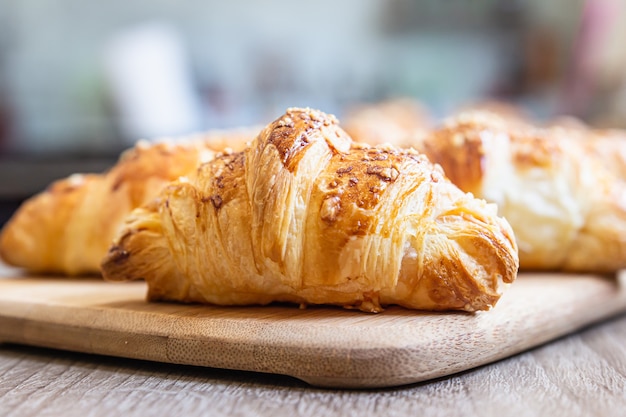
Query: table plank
{"x": 323, "y": 346}
{"x": 579, "y": 375}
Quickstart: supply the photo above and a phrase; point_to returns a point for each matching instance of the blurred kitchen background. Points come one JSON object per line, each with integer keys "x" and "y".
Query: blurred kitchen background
{"x": 82, "y": 80}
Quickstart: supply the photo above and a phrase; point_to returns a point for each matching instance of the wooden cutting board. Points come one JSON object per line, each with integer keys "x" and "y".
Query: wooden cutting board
{"x": 323, "y": 346}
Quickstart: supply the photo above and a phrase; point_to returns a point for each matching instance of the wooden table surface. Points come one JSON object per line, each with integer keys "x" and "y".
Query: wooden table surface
{"x": 582, "y": 374}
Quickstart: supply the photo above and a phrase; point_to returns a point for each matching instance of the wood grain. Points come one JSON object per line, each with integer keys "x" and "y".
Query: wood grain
{"x": 580, "y": 375}
{"x": 323, "y": 346}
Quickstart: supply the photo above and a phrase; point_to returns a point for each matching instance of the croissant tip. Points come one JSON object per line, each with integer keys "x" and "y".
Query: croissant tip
{"x": 114, "y": 259}
{"x": 314, "y": 114}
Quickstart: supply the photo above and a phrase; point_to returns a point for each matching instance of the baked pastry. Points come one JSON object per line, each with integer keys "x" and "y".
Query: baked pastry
{"x": 509, "y": 111}
{"x": 400, "y": 122}
{"x": 236, "y": 138}
{"x": 304, "y": 215}
{"x": 609, "y": 145}
{"x": 567, "y": 210}
{"x": 68, "y": 228}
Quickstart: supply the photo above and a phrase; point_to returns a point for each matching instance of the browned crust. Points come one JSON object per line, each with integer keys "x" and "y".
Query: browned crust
{"x": 459, "y": 146}
{"x": 42, "y": 235}
{"x": 290, "y": 134}
{"x": 352, "y": 196}
{"x": 580, "y": 168}
{"x": 465, "y": 165}
{"x": 34, "y": 233}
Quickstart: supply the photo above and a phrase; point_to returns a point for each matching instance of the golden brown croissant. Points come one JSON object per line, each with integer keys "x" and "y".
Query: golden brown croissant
{"x": 303, "y": 217}
{"x": 236, "y": 138}
{"x": 400, "y": 122}
{"x": 506, "y": 110}
{"x": 68, "y": 228}
{"x": 568, "y": 212}
{"x": 609, "y": 145}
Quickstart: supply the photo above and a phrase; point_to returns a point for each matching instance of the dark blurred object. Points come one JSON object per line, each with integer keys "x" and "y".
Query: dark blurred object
{"x": 6, "y": 113}
{"x": 6, "y": 124}
{"x": 7, "y": 208}
{"x": 408, "y": 15}
{"x": 541, "y": 58}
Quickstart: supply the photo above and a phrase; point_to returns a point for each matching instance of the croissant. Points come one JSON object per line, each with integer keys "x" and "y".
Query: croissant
{"x": 567, "y": 210}
{"x": 608, "y": 145}
{"x": 399, "y": 121}
{"x": 68, "y": 228}
{"x": 506, "y": 110}
{"x": 304, "y": 215}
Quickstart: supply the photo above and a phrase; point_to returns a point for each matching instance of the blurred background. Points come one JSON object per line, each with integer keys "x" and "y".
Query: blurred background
{"x": 82, "y": 80}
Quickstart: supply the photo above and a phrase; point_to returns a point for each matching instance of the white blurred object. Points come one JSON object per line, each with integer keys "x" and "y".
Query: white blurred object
{"x": 148, "y": 73}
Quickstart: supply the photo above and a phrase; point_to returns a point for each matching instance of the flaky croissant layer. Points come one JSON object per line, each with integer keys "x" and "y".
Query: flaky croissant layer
{"x": 567, "y": 209}
{"x": 304, "y": 215}
{"x": 67, "y": 228}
